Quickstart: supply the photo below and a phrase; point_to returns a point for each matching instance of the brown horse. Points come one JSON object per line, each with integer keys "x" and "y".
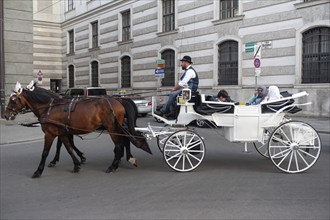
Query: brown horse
{"x": 130, "y": 122}
{"x": 89, "y": 114}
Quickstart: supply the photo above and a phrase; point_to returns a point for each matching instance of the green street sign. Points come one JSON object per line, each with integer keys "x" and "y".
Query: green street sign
{"x": 249, "y": 50}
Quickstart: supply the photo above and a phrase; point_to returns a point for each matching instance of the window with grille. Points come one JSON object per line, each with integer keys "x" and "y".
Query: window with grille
{"x": 316, "y": 55}
{"x": 95, "y": 34}
{"x": 168, "y": 15}
{"x": 71, "y": 41}
{"x": 70, "y": 5}
{"x": 228, "y": 8}
{"x": 95, "y": 73}
{"x": 126, "y": 25}
{"x": 228, "y": 63}
{"x": 169, "y": 78}
{"x": 71, "y": 76}
{"x": 126, "y": 72}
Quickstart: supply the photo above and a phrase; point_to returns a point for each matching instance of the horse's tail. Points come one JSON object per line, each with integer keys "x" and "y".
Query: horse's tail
{"x": 136, "y": 137}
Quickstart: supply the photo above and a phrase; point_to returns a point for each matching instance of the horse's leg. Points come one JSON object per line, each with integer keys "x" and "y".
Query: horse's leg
{"x": 78, "y": 152}
{"x": 129, "y": 156}
{"x": 119, "y": 153}
{"x": 48, "y": 140}
{"x": 57, "y": 154}
{"x": 67, "y": 143}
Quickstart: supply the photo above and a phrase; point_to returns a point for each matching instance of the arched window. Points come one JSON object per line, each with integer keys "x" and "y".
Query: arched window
{"x": 126, "y": 72}
{"x": 316, "y": 55}
{"x": 228, "y": 63}
{"x": 169, "y": 57}
{"x": 71, "y": 76}
{"x": 95, "y": 73}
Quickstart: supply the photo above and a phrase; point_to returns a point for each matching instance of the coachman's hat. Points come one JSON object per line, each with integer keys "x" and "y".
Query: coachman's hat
{"x": 187, "y": 59}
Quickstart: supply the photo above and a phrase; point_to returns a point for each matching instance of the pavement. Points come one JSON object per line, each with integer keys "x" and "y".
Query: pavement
{"x": 12, "y": 132}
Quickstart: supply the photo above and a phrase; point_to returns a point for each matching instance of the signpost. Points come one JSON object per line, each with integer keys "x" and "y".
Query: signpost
{"x": 257, "y": 61}
{"x": 39, "y": 76}
{"x": 160, "y": 71}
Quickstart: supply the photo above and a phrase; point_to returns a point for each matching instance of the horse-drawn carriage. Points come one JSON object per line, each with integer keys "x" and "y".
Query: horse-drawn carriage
{"x": 292, "y": 146}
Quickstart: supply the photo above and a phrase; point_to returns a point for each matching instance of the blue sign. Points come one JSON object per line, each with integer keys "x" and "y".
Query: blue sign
{"x": 159, "y": 71}
{"x": 257, "y": 63}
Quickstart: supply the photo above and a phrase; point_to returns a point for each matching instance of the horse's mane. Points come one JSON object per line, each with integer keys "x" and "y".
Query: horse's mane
{"x": 45, "y": 91}
{"x": 37, "y": 97}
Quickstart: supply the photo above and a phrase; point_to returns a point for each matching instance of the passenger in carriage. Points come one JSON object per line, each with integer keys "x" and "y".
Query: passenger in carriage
{"x": 259, "y": 95}
{"x": 273, "y": 94}
{"x": 224, "y": 97}
{"x": 189, "y": 77}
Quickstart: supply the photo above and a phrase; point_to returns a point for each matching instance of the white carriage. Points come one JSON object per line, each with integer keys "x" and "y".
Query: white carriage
{"x": 292, "y": 146}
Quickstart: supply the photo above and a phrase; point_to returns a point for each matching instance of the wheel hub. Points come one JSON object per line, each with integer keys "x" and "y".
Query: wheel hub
{"x": 294, "y": 146}
{"x": 184, "y": 151}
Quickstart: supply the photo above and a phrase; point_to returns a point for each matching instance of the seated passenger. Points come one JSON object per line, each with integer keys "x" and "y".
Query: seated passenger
{"x": 273, "y": 93}
{"x": 224, "y": 97}
{"x": 259, "y": 95}
{"x": 189, "y": 77}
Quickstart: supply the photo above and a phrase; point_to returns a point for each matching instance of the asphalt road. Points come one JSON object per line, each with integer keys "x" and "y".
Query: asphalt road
{"x": 229, "y": 184}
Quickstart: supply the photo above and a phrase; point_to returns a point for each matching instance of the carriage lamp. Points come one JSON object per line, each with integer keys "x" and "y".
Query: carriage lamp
{"x": 186, "y": 94}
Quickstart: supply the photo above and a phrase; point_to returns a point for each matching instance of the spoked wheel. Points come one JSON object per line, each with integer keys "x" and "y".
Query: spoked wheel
{"x": 262, "y": 147}
{"x": 294, "y": 147}
{"x": 165, "y": 133}
{"x": 184, "y": 150}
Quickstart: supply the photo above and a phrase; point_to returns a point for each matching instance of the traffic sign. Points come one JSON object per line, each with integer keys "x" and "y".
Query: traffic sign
{"x": 257, "y": 63}
{"x": 39, "y": 76}
{"x": 257, "y": 51}
{"x": 159, "y": 72}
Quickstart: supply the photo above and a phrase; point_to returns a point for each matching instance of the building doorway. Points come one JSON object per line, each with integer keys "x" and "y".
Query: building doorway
{"x": 55, "y": 85}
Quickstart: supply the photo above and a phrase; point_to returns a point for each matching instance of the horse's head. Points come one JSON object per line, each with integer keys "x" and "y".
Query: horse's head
{"x": 15, "y": 104}
{"x": 140, "y": 141}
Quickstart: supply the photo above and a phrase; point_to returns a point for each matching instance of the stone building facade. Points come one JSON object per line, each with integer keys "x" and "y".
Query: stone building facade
{"x": 116, "y": 44}
{"x": 17, "y": 45}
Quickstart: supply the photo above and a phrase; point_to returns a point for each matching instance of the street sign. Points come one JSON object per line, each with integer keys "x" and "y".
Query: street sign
{"x": 257, "y": 51}
{"x": 39, "y": 76}
{"x": 249, "y": 47}
{"x": 257, "y": 71}
{"x": 267, "y": 44}
{"x": 159, "y": 72}
{"x": 257, "y": 63}
{"x": 160, "y": 63}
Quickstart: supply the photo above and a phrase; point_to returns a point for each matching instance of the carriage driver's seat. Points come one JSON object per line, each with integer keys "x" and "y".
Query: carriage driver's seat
{"x": 195, "y": 98}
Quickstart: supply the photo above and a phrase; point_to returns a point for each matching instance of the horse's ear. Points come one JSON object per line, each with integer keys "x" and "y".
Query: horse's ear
{"x": 18, "y": 88}
{"x": 31, "y": 85}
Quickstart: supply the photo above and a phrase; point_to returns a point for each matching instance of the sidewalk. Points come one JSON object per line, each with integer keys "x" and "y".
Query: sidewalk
{"x": 12, "y": 132}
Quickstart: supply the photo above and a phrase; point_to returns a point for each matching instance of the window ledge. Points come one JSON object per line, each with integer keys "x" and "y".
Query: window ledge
{"x": 125, "y": 42}
{"x": 312, "y": 85}
{"x": 70, "y": 54}
{"x": 175, "y": 31}
{"x": 227, "y": 20}
{"x": 310, "y": 4}
{"x": 94, "y": 48}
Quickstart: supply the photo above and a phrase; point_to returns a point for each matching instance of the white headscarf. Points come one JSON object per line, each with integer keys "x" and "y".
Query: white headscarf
{"x": 273, "y": 93}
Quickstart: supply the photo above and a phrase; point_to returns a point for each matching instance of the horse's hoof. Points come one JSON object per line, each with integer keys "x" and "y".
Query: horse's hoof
{"x": 110, "y": 170}
{"x": 83, "y": 160}
{"x": 133, "y": 161}
{"x": 76, "y": 169}
{"x": 36, "y": 175}
{"x": 51, "y": 164}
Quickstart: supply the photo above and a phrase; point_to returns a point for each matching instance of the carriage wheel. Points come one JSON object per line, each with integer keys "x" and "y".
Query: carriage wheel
{"x": 294, "y": 147}
{"x": 161, "y": 138}
{"x": 184, "y": 150}
{"x": 262, "y": 147}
